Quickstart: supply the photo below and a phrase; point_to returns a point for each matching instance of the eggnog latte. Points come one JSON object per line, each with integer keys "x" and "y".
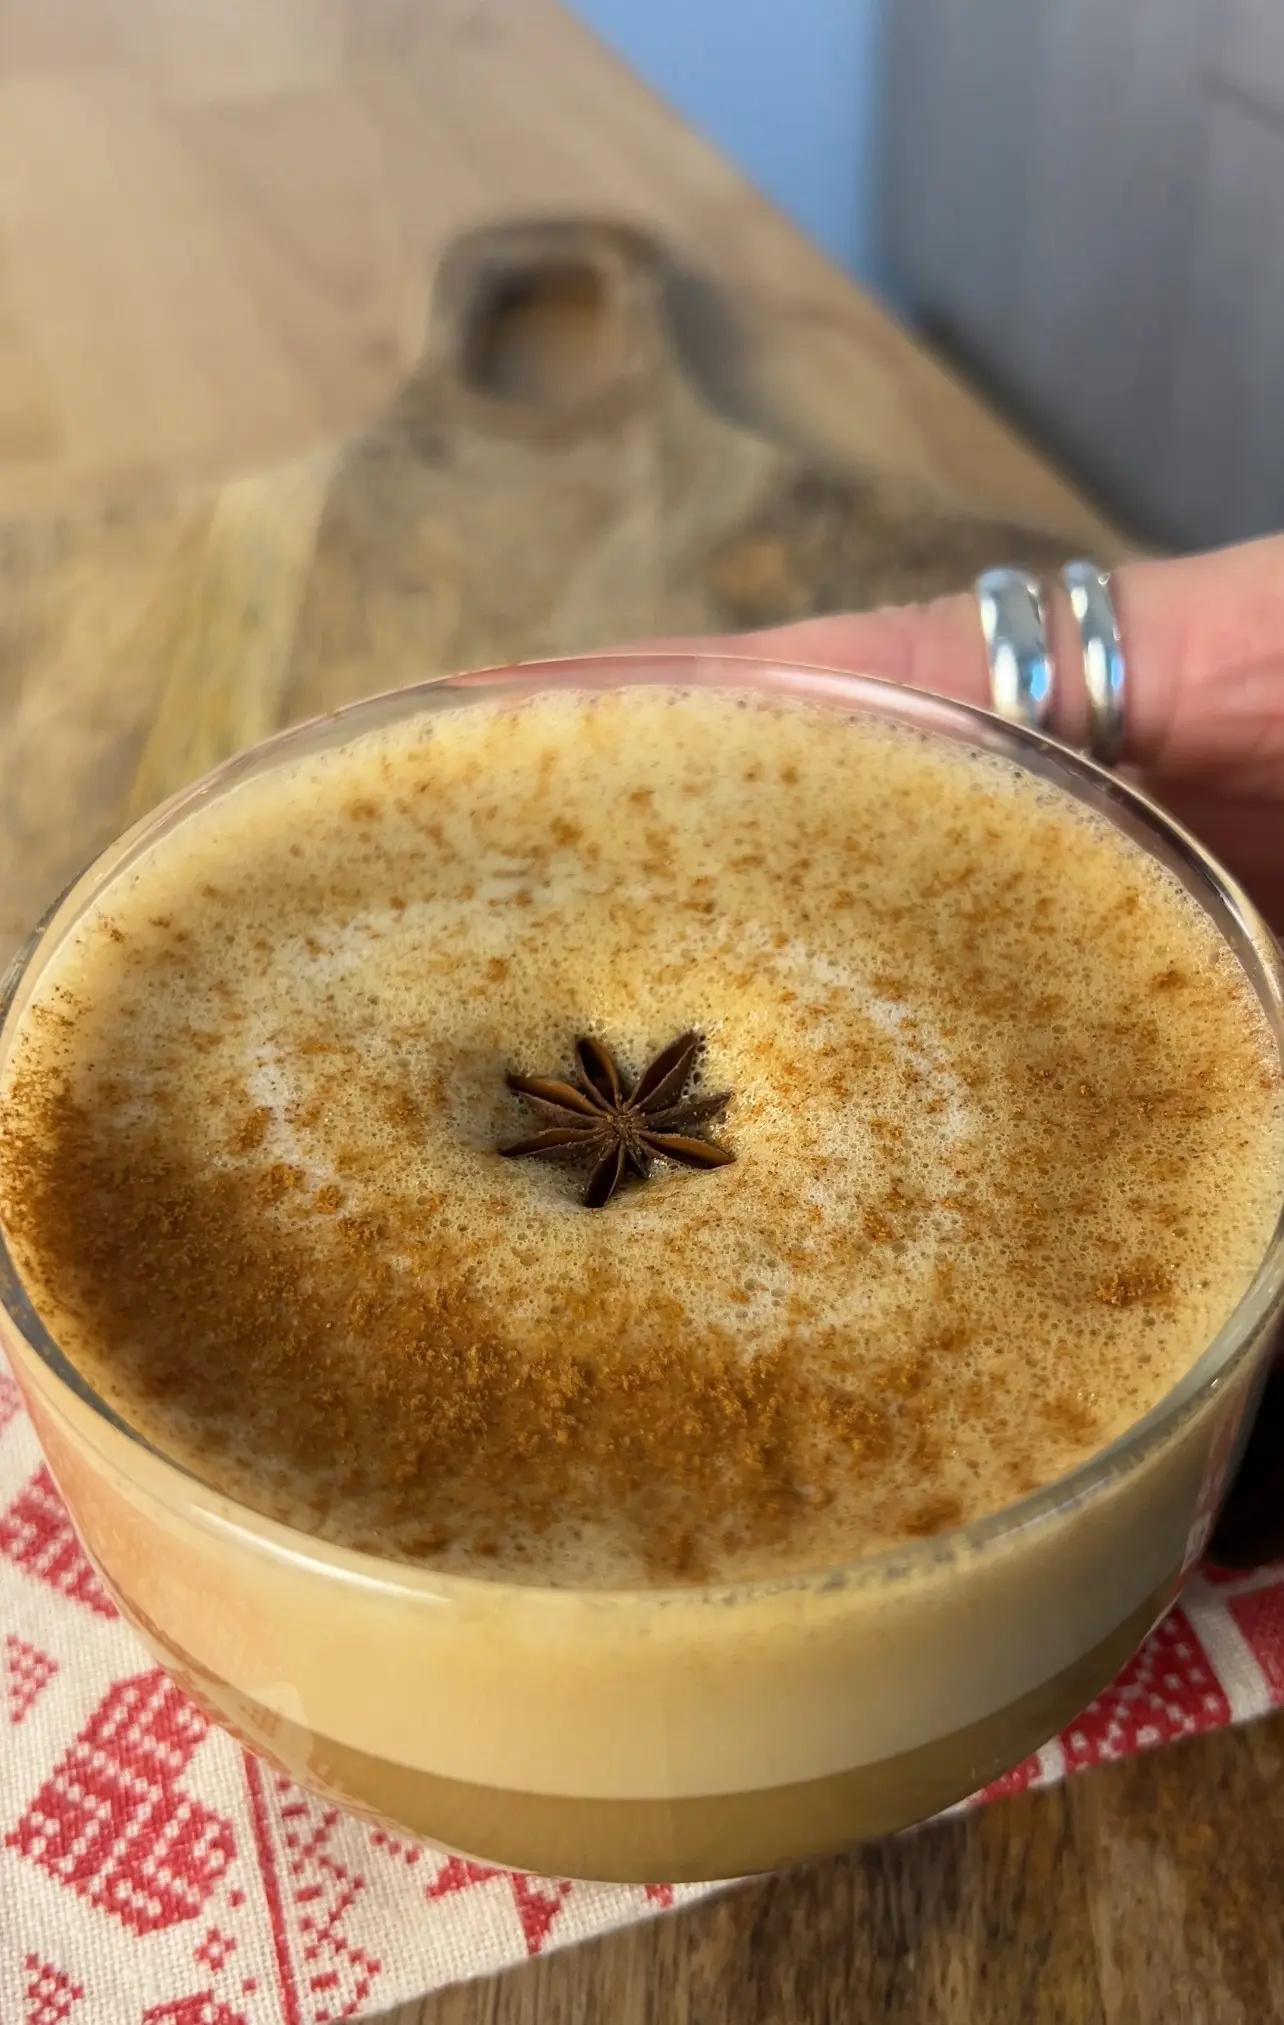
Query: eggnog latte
{"x": 1008, "y": 1134}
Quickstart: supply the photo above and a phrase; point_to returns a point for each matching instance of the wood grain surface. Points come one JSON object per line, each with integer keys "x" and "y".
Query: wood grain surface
{"x": 221, "y": 226}
{"x": 270, "y": 439}
{"x": 1147, "y": 1893}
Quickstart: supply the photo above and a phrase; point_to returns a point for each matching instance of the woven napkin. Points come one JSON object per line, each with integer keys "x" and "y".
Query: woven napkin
{"x": 151, "y": 1873}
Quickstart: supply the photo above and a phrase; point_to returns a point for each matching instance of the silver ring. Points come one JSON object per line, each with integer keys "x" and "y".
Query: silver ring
{"x": 1104, "y": 674}
{"x": 1016, "y": 642}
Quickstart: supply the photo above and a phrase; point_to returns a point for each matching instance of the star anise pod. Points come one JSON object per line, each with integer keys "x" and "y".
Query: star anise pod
{"x": 599, "y": 1118}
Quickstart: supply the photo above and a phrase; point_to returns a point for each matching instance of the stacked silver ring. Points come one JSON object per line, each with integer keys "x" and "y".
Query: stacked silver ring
{"x": 1022, "y": 672}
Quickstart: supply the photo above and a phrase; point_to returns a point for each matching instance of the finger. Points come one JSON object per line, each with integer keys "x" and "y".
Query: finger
{"x": 1203, "y": 642}
{"x": 936, "y": 646}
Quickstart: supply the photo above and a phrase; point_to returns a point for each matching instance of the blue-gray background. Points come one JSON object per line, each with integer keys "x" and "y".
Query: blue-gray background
{"x": 786, "y": 88}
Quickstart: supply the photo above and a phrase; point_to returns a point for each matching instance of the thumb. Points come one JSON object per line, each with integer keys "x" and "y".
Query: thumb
{"x": 1203, "y": 641}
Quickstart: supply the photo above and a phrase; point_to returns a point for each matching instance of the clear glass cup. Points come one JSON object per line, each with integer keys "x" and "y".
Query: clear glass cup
{"x": 650, "y": 1734}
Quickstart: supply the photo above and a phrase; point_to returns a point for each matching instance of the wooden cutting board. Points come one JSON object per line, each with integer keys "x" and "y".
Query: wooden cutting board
{"x": 550, "y": 478}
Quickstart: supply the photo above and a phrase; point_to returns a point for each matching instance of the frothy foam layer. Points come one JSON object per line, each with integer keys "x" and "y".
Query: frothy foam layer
{"x": 1009, "y": 1139}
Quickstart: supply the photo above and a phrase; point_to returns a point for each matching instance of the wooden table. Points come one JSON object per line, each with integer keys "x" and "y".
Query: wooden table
{"x": 218, "y": 227}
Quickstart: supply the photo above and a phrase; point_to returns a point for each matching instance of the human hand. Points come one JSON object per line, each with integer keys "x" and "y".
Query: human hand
{"x": 1203, "y": 640}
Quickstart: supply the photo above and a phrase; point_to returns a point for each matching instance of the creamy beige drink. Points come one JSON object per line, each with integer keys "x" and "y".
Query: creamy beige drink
{"x": 1008, "y": 1137}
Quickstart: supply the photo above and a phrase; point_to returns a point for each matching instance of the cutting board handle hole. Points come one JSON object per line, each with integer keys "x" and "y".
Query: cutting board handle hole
{"x": 548, "y": 336}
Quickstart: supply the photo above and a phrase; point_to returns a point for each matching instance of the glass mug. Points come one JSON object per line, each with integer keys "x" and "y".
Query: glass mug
{"x": 654, "y": 1734}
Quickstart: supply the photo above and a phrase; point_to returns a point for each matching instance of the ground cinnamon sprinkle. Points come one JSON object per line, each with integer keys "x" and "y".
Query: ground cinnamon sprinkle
{"x": 248, "y": 1159}
{"x": 216, "y": 1289}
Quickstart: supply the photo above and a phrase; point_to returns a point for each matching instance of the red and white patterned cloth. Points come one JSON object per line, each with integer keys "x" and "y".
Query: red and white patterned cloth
{"x": 153, "y": 1874}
